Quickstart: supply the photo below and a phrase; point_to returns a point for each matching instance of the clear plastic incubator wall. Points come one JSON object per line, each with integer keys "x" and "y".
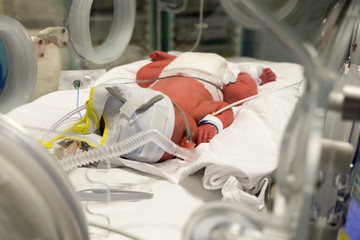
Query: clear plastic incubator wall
{"x": 287, "y": 167}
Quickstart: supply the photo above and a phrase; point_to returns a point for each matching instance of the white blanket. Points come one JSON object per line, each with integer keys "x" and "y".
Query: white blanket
{"x": 237, "y": 161}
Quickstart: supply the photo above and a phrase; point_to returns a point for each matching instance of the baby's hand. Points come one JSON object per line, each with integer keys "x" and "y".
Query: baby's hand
{"x": 205, "y": 133}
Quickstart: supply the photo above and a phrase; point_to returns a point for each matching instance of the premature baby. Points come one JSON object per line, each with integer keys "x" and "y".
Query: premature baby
{"x": 178, "y": 95}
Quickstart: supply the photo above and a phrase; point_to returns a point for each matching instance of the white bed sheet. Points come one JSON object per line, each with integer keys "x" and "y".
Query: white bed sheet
{"x": 236, "y": 161}
{"x": 162, "y": 217}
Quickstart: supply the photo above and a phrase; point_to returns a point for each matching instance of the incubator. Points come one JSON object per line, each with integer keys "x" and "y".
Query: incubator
{"x": 305, "y": 125}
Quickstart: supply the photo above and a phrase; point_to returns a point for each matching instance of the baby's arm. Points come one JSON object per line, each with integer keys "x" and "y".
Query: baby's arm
{"x": 210, "y": 125}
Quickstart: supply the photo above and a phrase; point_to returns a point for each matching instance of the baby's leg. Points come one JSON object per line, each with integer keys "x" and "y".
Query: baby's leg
{"x": 244, "y": 87}
{"x": 152, "y": 70}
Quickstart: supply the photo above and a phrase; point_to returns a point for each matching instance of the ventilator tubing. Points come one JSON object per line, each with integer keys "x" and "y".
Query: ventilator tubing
{"x": 126, "y": 146}
{"x": 56, "y": 125}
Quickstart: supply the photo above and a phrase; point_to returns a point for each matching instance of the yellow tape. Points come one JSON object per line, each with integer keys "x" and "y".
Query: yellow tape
{"x": 343, "y": 235}
{"x": 81, "y": 126}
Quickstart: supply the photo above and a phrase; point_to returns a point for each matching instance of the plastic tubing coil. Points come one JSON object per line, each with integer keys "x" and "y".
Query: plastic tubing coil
{"x": 126, "y": 146}
{"x": 241, "y": 16}
{"x": 22, "y": 62}
{"x": 117, "y": 40}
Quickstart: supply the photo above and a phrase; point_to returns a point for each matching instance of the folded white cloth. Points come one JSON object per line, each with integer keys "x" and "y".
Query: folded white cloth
{"x": 233, "y": 191}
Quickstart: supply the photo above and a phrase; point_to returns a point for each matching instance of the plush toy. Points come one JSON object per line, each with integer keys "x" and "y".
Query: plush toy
{"x": 200, "y": 84}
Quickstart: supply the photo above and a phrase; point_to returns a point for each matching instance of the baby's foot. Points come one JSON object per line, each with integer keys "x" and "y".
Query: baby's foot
{"x": 267, "y": 76}
{"x": 152, "y": 70}
{"x": 159, "y": 56}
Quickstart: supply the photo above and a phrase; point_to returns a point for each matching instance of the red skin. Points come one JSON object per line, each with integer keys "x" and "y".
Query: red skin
{"x": 194, "y": 99}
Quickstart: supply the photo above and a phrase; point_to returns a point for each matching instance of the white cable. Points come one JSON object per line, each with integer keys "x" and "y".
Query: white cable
{"x": 112, "y": 229}
{"x": 235, "y": 103}
{"x": 201, "y": 22}
{"x": 253, "y": 97}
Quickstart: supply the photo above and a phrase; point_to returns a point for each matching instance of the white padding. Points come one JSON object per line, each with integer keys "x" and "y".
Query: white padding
{"x": 254, "y": 72}
{"x": 196, "y": 64}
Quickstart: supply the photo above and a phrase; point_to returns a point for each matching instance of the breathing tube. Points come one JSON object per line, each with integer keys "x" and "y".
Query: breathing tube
{"x": 126, "y": 146}
{"x": 56, "y": 125}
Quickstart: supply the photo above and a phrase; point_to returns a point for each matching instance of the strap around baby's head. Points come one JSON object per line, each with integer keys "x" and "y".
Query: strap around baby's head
{"x": 142, "y": 107}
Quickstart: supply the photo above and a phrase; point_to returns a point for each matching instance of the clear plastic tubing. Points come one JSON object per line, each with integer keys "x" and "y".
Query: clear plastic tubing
{"x": 54, "y": 127}
{"x": 78, "y": 24}
{"x": 126, "y": 146}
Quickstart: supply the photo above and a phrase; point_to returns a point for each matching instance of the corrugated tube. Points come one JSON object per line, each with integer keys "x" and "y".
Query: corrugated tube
{"x": 126, "y": 146}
